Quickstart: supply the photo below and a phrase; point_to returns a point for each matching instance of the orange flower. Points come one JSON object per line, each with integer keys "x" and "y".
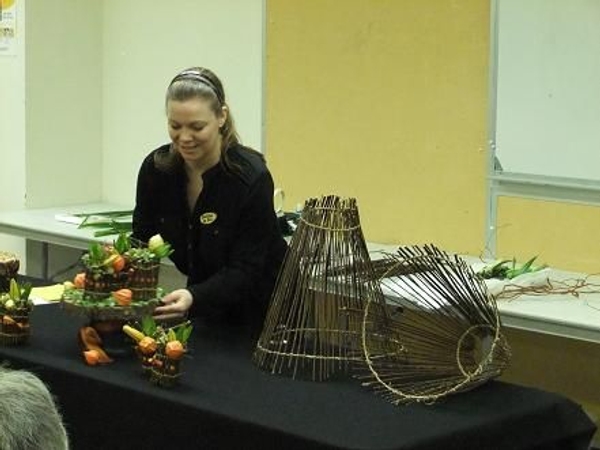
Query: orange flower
{"x": 92, "y": 357}
{"x": 118, "y": 264}
{"x": 174, "y": 350}
{"x": 147, "y": 346}
{"x": 123, "y": 296}
{"x": 79, "y": 280}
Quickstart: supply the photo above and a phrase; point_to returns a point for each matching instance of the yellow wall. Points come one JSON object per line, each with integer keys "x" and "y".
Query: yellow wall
{"x": 564, "y": 235}
{"x": 385, "y": 101}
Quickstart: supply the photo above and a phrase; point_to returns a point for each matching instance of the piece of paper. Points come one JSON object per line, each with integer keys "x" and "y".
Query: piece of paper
{"x": 8, "y": 27}
{"x": 51, "y": 293}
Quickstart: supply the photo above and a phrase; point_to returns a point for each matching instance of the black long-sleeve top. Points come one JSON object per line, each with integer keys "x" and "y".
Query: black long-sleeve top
{"x": 230, "y": 246}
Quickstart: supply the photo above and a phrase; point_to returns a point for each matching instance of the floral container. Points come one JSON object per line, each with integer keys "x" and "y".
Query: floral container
{"x": 15, "y": 308}
{"x": 100, "y": 284}
{"x": 164, "y": 372}
{"x": 14, "y": 326}
{"x": 160, "y": 350}
{"x": 143, "y": 279}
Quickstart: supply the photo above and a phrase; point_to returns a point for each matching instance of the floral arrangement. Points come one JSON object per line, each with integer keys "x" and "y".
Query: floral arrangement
{"x": 160, "y": 349}
{"x": 15, "y": 308}
{"x": 119, "y": 273}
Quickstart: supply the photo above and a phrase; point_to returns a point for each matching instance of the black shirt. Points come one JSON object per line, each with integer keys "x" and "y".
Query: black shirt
{"x": 230, "y": 246}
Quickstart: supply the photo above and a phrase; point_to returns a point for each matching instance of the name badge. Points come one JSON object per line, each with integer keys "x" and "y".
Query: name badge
{"x": 208, "y": 218}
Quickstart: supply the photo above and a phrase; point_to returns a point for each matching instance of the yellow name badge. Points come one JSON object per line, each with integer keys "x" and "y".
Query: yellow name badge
{"x": 208, "y": 218}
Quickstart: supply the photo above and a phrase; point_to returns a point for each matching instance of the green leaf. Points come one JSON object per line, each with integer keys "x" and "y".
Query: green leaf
{"x": 14, "y": 292}
{"x": 122, "y": 243}
{"x": 171, "y": 336}
{"x": 148, "y": 326}
{"x": 185, "y": 333}
{"x": 25, "y": 291}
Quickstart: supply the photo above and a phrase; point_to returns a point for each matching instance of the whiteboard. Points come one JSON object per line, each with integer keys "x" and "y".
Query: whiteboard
{"x": 548, "y": 87}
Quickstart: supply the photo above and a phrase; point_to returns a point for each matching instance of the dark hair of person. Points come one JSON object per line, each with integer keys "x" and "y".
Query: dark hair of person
{"x": 199, "y": 82}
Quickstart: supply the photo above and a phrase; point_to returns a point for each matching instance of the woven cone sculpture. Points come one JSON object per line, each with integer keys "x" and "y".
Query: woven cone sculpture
{"x": 313, "y": 325}
{"x": 444, "y": 337}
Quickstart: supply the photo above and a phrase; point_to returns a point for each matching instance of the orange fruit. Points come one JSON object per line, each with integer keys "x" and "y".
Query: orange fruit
{"x": 118, "y": 264}
{"x": 174, "y": 350}
{"x": 147, "y": 346}
{"x": 92, "y": 357}
{"x": 79, "y": 280}
{"x": 123, "y": 296}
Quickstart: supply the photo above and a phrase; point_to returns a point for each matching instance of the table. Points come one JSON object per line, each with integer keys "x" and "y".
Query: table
{"x": 559, "y": 315}
{"x": 41, "y": 225}
{"x": 225, "y": 402}
{"x": 565, "y": 316}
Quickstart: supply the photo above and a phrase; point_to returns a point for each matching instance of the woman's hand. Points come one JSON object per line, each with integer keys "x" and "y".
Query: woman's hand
{"x": 175, "y": 305}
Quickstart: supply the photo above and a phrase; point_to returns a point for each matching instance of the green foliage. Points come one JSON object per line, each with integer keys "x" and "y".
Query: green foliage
{"x": 17, "y": 296}
{"x": 108, "y": 223}
{"x": 148, "y": 326}
{"x": 508, "y": 269}
{"x": 122, "y": 244}
{"x": 180, "y": 332}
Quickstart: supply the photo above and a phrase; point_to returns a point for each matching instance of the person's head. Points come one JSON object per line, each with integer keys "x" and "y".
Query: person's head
{"x": 199, "y": 120}
{"x": 29, "y": 419}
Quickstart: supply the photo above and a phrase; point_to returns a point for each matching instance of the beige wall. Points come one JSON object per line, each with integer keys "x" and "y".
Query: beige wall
{"x": 63, "y": 98}
{"x": 12, "y": 130}
{"x": 144, "y": 46}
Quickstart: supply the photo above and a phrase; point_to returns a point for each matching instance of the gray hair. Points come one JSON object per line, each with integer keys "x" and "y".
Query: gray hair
{"x": 29, "y": 418}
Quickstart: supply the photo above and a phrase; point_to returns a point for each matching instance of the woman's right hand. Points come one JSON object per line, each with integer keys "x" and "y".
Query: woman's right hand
{"x": 175, "y": 305}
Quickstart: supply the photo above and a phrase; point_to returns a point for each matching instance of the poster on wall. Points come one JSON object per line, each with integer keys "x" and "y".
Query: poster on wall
{"x": 8, "y": 27}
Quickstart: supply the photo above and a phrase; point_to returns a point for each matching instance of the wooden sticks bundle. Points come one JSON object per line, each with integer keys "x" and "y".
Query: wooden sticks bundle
{"x": 446, "y": 336}
{"x": 312, "y": 328}
{"x": 415, "y": 326}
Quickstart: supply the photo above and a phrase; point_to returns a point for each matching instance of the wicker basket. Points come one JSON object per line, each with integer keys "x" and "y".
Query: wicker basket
{"x": 99, "y": 285}
{"x": 167, "y": 373}
{"x": 14, "y": 327}
{"x": 143, "y": 279}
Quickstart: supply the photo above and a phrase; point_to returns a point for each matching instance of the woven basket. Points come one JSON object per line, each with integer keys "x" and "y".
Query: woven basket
{"x": 143, "y": 279}
{"x": 17, "y": 331}
{"x": 169, "y": 372}
{"x": 99, "y": 285}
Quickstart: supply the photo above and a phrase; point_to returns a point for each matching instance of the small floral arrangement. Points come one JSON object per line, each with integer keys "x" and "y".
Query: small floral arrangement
{"x": 15, "y": 307}
{"x": 120, "y": 272}
{"x": 160, "y": 349}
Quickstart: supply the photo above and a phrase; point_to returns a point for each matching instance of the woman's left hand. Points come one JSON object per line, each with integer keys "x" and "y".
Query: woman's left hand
{"x": 175, "y": 305}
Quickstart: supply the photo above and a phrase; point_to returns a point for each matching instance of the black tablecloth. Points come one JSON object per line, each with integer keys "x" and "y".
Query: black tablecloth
{"x": 225, "y": 402}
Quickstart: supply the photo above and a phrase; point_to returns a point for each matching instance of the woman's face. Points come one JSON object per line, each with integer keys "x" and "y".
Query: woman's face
{"x": 194, "y": 130}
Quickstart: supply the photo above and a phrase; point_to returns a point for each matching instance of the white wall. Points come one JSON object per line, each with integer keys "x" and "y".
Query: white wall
{"x": 548, "y": 89}
{"x": 63, "y": 94}
{"x": 83, "y": 99}
{"x": 12, "y": 131}
{"x": 144, "y": 45}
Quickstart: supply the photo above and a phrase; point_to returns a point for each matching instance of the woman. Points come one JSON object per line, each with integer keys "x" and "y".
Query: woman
{"x": 212, "y": 199}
